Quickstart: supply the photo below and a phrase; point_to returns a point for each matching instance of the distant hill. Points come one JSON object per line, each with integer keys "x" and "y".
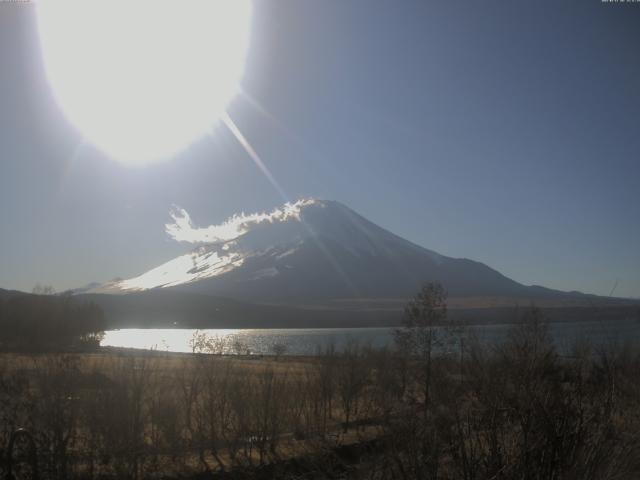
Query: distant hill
{"x": 4, "y": 294}
{"x": 43, "y": 322}
{"x": 167, "y": 308}
{"x": 174, "y": 309}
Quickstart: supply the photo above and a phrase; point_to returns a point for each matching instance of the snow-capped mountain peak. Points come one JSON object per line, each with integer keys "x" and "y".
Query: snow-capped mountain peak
{"x": 308, "y": 249}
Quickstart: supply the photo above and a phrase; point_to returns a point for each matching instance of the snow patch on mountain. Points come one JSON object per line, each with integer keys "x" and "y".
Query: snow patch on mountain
{"x": 184, "y": 269}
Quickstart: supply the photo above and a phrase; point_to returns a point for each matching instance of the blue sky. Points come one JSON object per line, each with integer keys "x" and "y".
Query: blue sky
{"x": 505, "y": 132}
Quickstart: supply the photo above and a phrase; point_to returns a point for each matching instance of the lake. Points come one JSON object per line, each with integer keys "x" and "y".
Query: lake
{"x": 307, "y": 341}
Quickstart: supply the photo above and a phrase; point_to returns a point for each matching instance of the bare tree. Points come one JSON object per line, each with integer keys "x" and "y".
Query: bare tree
{"x": 279, "y": 349}
{"x": 352, "y": 376}
{"x": 419, "y": 334}
{"x": 39, "y": 289}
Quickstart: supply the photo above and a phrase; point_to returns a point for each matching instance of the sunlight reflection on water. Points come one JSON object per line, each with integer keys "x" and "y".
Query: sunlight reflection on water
{"x": 306, "y": 341}
{"x": 303, "y": 341}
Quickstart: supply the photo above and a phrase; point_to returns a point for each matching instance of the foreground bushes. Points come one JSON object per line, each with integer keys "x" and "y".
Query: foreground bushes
{"x": 517, "y": 411}
{"x": 521, "y": 411}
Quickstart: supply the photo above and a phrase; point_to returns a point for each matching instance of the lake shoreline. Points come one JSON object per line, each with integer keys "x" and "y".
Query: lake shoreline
{"x": 310, "y": 341}
{"x": 327, "y": 319}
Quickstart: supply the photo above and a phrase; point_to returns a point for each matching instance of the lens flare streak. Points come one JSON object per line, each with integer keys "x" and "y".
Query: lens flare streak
{"x": 233, "y": 128}
{"x": 267, "y": 173}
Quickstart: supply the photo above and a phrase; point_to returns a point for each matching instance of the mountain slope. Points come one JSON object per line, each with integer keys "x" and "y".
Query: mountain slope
{"x": 317, "y": 251}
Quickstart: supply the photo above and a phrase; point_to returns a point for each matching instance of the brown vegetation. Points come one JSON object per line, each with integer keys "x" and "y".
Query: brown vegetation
{"x": 517, "y": 411}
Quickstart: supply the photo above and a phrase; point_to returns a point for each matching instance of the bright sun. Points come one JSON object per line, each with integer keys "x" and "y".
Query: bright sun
{"x": 143, "y": 79}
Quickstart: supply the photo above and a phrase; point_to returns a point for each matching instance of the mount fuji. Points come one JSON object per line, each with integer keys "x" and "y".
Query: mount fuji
{"x": 314, "y": 252}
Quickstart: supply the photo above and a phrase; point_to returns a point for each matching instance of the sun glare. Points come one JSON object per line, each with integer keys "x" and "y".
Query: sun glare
{"x": 143, "y": 79}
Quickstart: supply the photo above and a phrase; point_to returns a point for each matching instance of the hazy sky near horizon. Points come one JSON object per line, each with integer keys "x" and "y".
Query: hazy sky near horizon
{"x": 506, "y": 132}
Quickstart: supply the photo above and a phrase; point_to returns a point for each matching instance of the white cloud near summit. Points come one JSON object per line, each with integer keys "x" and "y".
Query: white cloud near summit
{"x": 182, "y": 228}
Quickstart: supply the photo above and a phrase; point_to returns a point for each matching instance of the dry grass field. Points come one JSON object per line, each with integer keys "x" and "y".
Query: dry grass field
{"x": 519, "y": 410}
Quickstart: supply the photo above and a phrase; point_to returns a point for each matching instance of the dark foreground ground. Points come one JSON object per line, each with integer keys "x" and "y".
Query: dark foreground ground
{"x": 516, "y": 411}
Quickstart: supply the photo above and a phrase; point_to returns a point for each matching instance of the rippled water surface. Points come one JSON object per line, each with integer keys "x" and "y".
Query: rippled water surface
{"x": 307, "y": 341}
